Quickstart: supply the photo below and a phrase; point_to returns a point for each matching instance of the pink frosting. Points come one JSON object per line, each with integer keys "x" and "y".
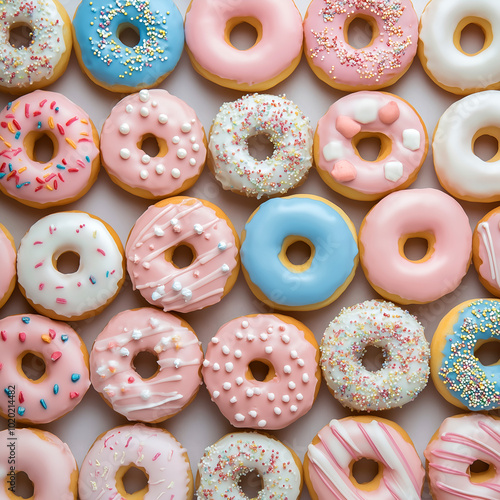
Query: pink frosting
{"x": 179, "y": 361}
{"x": 169, "y": 119}
{"x": 182, "y": 221}
{"x": 280, "y": 44}
{"x": 66, "y": 377}
{"x": 247, "y": 402}
{"x": 8, "y": 253}
{"x": 47, "y": 461}
{"x": 66, "y": 176}
{"x": 407, "y": 213}
{"x": 487, "y": 260}
{"x": 374, "y": 66}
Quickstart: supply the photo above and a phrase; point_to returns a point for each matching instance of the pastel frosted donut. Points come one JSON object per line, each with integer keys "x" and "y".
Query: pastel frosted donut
{"x": 8, "y": 274}
{"x": 274, "y": 227}
{"x": 362, "y": 115}
{"x": 463, "y": 174}
{"x": 177, "y": 379}
{"x": 457, "y": 373}
{"x": 65, "y": 379}
{"x": 75, "y": 162}
{"x": 289, "y": 350}
{"x": 150, "y": 449}
{"x": 431, "y": 215}
{"x": 460, "y": 441}
{"x": 45, "y": 58}
{"x": 272, "y": 58}
{"x": 111, "y": 63}
{"x": 386, "y": 58}
{"x": 153, "y": 114}
{"x": 282, "y": 122}
{"x": 235, "y": 455}
{"x": 337, "y": 446}
{"x": 441, "y": 54}
{"x": 88, "y": 290}
{"x": 405, "y": 369}
{"x": 41, "y": 455}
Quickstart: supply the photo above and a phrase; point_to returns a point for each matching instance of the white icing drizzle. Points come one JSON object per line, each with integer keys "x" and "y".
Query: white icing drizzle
{"x": 484, "y": 230}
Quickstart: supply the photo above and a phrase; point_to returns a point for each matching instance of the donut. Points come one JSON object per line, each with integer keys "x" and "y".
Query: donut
{"x": 75, "y": 162}
{"x": 370, "y": 114}
{"x": 457, "y": 373}
{"x": 176, "y": 223}
{"x": 177, "y": 379}
{"x": 88, "y": 290}
{"x": 44, "y": 58}
{"x": 289, "y": 350}
{"x": 277, "y": 224}
{"x": 441, "y": 54}
{"x": 460, "y": 441}
{"x": 8, "y": 274}
{"x": 425, "y": 213}
{"x": 260, "y": 115}
{"x": 341, "y": 443}
{"x": 405, "y": 369}
{"x": 41, "y": 455}
{"x": 65, "y": 377}
{"x": 153, "y": 114}
{"x": 98, "y": 29}
{"x": 386, "y": 58}
{"x": 151, "y": 449}
{"x": 463, "y": 174}
{"x": 272, "y": 58}
{"x": 235, "y": 455}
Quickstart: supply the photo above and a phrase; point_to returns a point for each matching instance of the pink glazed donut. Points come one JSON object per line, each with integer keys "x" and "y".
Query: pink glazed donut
{"x": 415, "y": 213}
{"x": 394, "y": 25}
{"x": 8, "y": 274}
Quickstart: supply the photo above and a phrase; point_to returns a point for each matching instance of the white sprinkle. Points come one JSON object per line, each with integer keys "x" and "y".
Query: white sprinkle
{"x": 238, "y": 335}
{"x": 285, "y": 398}
{"x": 393, "y": 171}
{"x": 158, "y": 231}
{"x": 333, "y": 151}
{"x": 239, "y": 380}
{"x": 249, "y": 393}
{"x": 229, "y": 367}
{"x": 124, "y": 128}
{"x": 154, "y": 104}
{"x": 195, "y": 147}
{"x": 177, "y": 363}
{"x": 287, "y": 369}
{"x": 233, "y": 399}
{"x": 186, "y": 127}
{"x": 176, "y": 285}
{"x": 291, "y": 385}
{"x": 181, "y": 153}
{"x": 305, "y": 378}
{"x": 124, "y": 352}
{"x": 411, "y": 139}
{"x": 268, "y": 349}
{"x": 239, "y": 417}
{"x": 224, "y": 268}
{"x": 244, "y": 324}
{"x": 174, "y": 221}
{"x": 250, "y": 337}
{"x": 237, "y": 353}
{"x": 175, "y": 173}
{"x": 192, "y": 162}
{"x": 215, "y": 394}
{"x": 262, "y": 423}
{"x": 125, "y": 153}
{"x": 206, "y": 363}
{"x": 252, "y": 413}
{"x": 226, "y": 350}
{"x": 215, "y": 340}
{"x": 145, "y": 394}
{"x": 162, "y": 118}
{"x": 256, "y": 391}
{"x": 277, "y": 410}
{"x": 366, "y": 110}
{"x": 160, "y": 169}
{"x": 193, "y": 138}
{"x": 136, "y": 334}
{"x": 187, "y": 294}
{"x": 216, "y": 367}
{"x": 145, "y": 159}
{"x": 144, "y": 95}
{"x": 144, "y": 112}
{"x": 222, "y": 245}
{"x": 176, "y": 139}
{"x": 144, "y": 174}
{"x": 301, "y": 362}
{"x": 270, "y": 329}
{"x": 285, "y": 339}
{"x": 271, "y": 396}
{"x": 198, "y": 228}
{"x": 263, "y": 336}
{"x": 129, "y": 108}
{"x": 299, "y": 396}
{"x": 293, "y": 408}
{"x": 294, "y": 355}
{"x": 226, "y": 386}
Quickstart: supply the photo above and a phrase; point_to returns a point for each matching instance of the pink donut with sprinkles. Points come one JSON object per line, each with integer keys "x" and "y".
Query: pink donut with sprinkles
{"x": 180, "y": 137}
{"x": 8, "y": 274}
{"x": 75, "y": 162}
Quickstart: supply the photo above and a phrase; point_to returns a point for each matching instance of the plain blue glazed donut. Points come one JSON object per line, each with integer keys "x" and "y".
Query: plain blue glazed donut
{"x": 279, "y": 222}
{"x": 112, "y": 64}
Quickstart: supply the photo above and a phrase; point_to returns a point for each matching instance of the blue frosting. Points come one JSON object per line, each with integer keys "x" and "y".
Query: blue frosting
{"x": 161, "y": 31}
{"x": 334, "y": 256}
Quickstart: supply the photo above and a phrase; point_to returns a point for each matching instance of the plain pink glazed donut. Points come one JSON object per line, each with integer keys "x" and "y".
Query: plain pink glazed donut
{"x": 415, "y": 213}
{"x": 8, "y": 274}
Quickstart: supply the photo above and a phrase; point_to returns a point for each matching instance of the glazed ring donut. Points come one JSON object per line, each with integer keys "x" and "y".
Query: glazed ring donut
{"x": 289, "y": 350}
{"x": 8, "y": 274}
{"x": 405, "y": 369}
{"x": 83, "y": 293}
{"x": 273, "y": 57}
{"x": 260, "y": 114}
{"x": 455, "y": 369}
{"x": 177, "y": 379}
{"x": 151, "y": 449}
{"x": 274, "y": 227}
{"x": 361, "y": 115}
{"x": 415, "y": 213}
{"x": 337, "y": 446}
{"x": 66, "y": 376}
{"x": 386, "y": 58}
{"x": 111, "y": 63}
{"x": 175, "y": 223}
{"x": 45, "y": 58}
{"x": 72, "y": 170}
{"x": 178, "y": 132}
{"x": 235, "y": 455}
{"x": 47, "y": 461}
{"x": 457, "y": 444}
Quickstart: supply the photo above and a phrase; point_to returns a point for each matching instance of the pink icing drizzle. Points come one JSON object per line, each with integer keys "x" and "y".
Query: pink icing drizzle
{"x": 488, "y": 234}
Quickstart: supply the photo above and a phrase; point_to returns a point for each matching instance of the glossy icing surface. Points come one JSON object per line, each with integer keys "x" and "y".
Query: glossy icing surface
{"x": 8, "y": 253}
{"x": 487, "y": 259}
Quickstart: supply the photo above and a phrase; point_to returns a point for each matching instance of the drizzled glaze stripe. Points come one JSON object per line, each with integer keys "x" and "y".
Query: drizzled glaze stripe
{"x": 486, "y": 251}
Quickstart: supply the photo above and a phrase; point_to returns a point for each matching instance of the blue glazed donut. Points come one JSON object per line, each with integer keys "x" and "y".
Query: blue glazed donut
{"x": 274, "y": 227}
{"x": 115, "y": 66}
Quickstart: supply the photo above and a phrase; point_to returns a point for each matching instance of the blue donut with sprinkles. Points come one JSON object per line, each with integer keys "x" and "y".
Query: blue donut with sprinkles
{"x": 98, "y": 29}
{"x": 280, "y": 223}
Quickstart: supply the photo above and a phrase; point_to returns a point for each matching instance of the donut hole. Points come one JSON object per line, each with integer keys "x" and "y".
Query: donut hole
{"x": 181, "y": 256}
{"x": 20, "y": 35}
{"x": 297, "y": 253}
{"x": 153, "y": 146}
{"x": 260, "y": 146}
{"x": 485, "y": 144}
{"x": 473, "y": 35}
{"x": 40, "y": 146}
{"x": 480, "y": 471}
{"x": 417, "y": 247}
{"x": 132, "y": 480}
{"x": 243, "y": 33}
{"x": 145, "y": 363}
{"x": 128, "y": 34}
{"x": 360, "y": 31}
{"x": 364, "y": 471}
{"x": 371, "y": 146}
{"x": 68, "y": 262}
{"x": 373, "y": 358}
{"x": 24, "y": 487}
{"x": 32, "y": 366}
{"x": 261, "y": 370}
{"x": 488, "y": 352}
{"x": 251, "y": 484}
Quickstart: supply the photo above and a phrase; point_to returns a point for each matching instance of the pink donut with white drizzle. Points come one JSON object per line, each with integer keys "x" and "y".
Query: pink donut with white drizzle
{"x": 65, "y": 379}
{"x": 8, "y": 274}
{"x": 383, "y": 61}
{"x": 153, "y": 114}
{"x": 75, "y": 161}
{"x": 288, "y": 390}
{"x": 151, "y": 449}
{"x": 177, "y": 379}
{"x": 367, "y": 114}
